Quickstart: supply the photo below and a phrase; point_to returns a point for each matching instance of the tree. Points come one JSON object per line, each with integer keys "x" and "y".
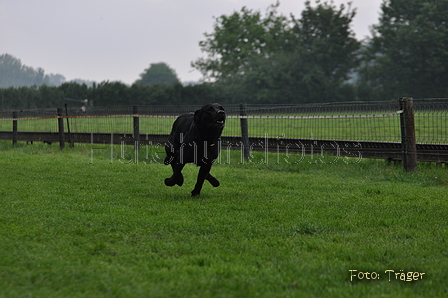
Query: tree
{"x": 327, "y": 52}
{"x": 14, "y": 74}
{"x": 275, "y": 59}
{"x": 110, "y": 94}
{"x": 326, "y": 39}
{"x": 239, "y": 38}
{"x": 407, "y": 55}
{"x": 158, "y": 73}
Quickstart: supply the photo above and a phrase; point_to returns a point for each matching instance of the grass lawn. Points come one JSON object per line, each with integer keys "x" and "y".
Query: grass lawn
{"x": 76, "y": 223}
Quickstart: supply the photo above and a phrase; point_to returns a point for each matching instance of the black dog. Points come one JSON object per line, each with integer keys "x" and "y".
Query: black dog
{"x": 195, "y": 138}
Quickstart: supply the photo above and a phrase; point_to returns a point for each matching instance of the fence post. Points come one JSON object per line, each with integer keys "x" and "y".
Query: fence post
{"x": 61, "y": 128}
{"x": 14, "y": 128}
{"x": 408, "y": 141}
{"x": 136, "y": 128}
{"x": 244, "y": 131}
{"x": 68, "y": 128}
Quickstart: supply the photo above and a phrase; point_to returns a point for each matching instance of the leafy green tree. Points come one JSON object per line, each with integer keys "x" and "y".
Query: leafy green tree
{"x": 158, "y": 73}
{"x": 407, "y": 55}
{"x": 48, "y": 97}
{"x": 198, "y": 94}
{"x": 241, "y": 37}
{"x": 273, "y": 59}
{"x": 74, "y": 90}
{"x": 327, "y": 52}
{"x": 110, "y": 94}
{"x": 326, "y": 39}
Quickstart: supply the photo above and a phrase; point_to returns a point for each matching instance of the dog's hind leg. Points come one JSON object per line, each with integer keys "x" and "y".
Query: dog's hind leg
{"x": 177, "y": 177}
{"x": 213, "y": 181}
{"x": 204, "y": 171}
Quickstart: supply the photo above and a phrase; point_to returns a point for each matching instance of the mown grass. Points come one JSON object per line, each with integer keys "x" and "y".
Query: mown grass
{"x": 77, "y": 224}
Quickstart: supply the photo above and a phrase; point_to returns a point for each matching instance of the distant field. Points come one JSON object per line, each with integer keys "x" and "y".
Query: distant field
{"x": 430, "y": 127}
{"x": 93, "y": 221}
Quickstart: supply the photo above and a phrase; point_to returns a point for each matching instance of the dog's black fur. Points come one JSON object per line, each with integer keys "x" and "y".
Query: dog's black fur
{"x": 195, "y": 138}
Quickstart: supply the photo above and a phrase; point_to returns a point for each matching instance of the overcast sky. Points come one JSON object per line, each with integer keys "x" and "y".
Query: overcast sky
{"x": 116, "y": 40}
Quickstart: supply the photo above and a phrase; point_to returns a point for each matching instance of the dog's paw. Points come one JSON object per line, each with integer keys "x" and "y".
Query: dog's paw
{"x": 195, "y": 193}
{"x": 169, "y": 182}
{"x": 173, "y": 181}
{"x": 180, "y": 180}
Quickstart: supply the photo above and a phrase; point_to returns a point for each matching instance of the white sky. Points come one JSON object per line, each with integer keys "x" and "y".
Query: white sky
{"x": 116, "y": 40}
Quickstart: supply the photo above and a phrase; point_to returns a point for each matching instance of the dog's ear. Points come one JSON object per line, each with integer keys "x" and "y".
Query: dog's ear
{"x": 197, "y": 116}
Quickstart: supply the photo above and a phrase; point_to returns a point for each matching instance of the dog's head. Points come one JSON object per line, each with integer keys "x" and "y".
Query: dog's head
{"x": 211, "y": 116}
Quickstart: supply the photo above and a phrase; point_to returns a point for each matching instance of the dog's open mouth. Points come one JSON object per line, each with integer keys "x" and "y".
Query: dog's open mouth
{"x": 220, "y": 117}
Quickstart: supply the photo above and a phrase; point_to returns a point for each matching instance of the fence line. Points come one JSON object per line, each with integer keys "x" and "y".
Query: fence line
{"x": 86, "y": 117}
{"x": 319, "y": 117}
{"x": 361, "y": 122}
{"x": 228, "y": 117}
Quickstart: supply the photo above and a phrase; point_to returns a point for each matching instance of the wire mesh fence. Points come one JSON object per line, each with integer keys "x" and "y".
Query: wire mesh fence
{"x": 431, "y": 120}
{"x": 354, "y": 121}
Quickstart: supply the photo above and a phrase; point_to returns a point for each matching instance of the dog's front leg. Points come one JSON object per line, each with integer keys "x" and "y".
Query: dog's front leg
{"x": 177, "y": 177}
{"x": 213, "y": 181}
{"x": 203, "y": 172}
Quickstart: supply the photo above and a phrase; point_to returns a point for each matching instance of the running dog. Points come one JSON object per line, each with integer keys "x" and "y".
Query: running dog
{"x": 195, "y": 138}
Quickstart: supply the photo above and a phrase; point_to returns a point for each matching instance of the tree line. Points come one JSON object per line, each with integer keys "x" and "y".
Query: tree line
{"x": 108, "y": 94}
{"x": 270, "y": 58}
{"x": 14, "y": 74}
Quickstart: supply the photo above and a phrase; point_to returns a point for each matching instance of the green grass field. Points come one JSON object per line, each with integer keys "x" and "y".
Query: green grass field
{"x": 76, "y": 223}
